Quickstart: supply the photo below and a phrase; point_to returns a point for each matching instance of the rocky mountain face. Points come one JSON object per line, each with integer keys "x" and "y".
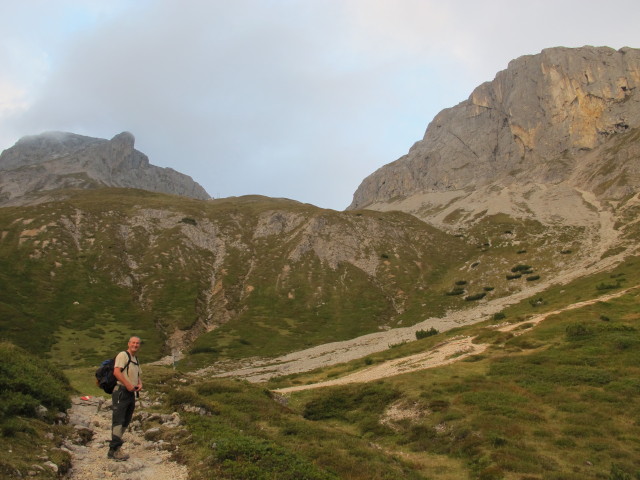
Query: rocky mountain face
{"x": 59, "y": 160}
{"x": 554, "y": 137}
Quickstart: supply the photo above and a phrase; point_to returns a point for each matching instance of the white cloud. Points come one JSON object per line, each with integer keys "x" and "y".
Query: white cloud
{"x": 275, "y": 97}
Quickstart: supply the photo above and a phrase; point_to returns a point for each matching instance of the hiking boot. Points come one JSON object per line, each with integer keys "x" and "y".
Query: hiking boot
{"x": 117, "y": 455}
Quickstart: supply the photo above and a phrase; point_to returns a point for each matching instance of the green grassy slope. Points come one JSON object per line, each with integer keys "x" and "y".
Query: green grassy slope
{"x": 79, "y": 275}
{"x": 558, "y": 401}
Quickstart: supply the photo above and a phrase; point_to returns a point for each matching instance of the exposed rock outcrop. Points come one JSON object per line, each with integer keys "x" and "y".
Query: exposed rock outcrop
{"x": 56, "y": 160}
{"x": 542, "y": 128}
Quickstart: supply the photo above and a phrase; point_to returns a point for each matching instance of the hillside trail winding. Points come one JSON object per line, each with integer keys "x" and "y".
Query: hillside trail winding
{"x": 452, "y": 350}
{"x": 148, "y": 460}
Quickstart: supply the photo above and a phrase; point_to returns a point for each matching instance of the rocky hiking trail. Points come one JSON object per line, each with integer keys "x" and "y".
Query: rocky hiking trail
{"x": 149, "y": 460}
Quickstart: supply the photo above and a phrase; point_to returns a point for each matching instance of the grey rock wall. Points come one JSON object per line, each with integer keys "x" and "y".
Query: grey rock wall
{"x": 531, "y": 124}
{"x": 57, "y": 160}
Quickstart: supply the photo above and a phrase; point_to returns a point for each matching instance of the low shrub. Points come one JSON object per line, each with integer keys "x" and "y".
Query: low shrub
{"x": 189, "y": 221}
{"x": 536, "y": 302}
{"x": 27, "y": 381}
{"x": 521, "y": 268}
{"x": 243, "y": 457}
{"x": 608, "y": 286}
{"x": 426, "y": 333}
{"x": 456, "y": 291}
{"x": 342, "y": 402}
{"x": 477, "y": 296}
{"x": 577, "y": 330}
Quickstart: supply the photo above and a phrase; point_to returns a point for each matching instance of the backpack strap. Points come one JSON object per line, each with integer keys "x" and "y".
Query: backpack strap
{"x": 126, "y": 367}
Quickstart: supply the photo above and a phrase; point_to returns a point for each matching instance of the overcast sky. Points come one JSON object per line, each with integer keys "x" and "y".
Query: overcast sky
{"x": 286, "y": 98}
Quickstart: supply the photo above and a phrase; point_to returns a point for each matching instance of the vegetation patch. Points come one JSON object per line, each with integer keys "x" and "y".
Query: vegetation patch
{"x": 426, "y": 333}
{"x": 32, "y": 394}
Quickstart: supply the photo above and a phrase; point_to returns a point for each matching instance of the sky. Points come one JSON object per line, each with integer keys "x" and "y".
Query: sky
{"x": 298, "y": 99}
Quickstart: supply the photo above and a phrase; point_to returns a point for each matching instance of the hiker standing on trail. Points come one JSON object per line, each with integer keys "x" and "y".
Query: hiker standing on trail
{"x": 127, "y": 371}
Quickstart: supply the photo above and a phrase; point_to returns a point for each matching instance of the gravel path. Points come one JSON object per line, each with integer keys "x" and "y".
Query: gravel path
{"x": 453, "y": 350}
{"x": 90, "y": 462}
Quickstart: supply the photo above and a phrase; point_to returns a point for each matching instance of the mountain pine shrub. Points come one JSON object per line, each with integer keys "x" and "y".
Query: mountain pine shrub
{"x": 426, "y": 333}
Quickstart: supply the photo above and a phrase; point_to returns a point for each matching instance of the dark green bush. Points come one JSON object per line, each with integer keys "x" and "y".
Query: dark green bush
{"x": 513, "y": 277}
{"x": 189, "y": 221}
{"x": 339, "y": 402}
{"x": 27, "y": 381}
{"x": 536, "y": 302}
{"x": 456, "y": 291}
{"x": 520, "y": 268}
{"x": 477, "y": 296}
{"x": 533, "y": 278}
{"x": 244, "y": 457}
{"x": 577, "y": 330}
{"x": 428, "y": 333}
{"x": 608, "y": 286}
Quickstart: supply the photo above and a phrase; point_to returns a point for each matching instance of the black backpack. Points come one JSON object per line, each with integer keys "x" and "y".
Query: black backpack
{"x": 105, "y": 379}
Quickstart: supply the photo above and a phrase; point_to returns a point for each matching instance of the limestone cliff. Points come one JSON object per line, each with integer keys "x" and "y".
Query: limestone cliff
{"x": 56, "y": 160}
{"x": 542, "y": 129}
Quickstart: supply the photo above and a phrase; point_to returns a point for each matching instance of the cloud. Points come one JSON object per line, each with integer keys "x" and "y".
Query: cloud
{"x": 275, "y": 97}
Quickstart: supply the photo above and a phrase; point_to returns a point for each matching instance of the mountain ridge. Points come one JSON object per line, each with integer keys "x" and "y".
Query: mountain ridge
{"x": 50, "y": 161}
{"x": 549, "y": 126}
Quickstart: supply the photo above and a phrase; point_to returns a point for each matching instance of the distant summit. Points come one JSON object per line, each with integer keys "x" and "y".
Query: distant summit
{"x": 58, "y": 160}
{"x": 547, "y": 137}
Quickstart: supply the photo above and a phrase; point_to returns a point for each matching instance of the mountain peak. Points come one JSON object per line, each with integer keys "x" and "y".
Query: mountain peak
{"x": 537, "y": 125}
{"x": 57, "y": 160}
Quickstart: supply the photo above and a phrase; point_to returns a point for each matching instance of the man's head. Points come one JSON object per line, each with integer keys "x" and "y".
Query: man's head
{"x": 134, "y": 344}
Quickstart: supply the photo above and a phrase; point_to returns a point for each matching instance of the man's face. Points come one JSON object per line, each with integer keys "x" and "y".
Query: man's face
{"x": 134, "y": 344}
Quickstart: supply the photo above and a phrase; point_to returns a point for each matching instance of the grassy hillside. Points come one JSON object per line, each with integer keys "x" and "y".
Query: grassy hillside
{"x": 557, "y": 402}
{"x": 78, "y": 275}
{"x": 554, "y": 401}
{"x": 33, "y": 393}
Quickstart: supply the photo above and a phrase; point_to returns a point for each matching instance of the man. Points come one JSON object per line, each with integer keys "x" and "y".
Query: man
{"x": 127, "y": 372}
